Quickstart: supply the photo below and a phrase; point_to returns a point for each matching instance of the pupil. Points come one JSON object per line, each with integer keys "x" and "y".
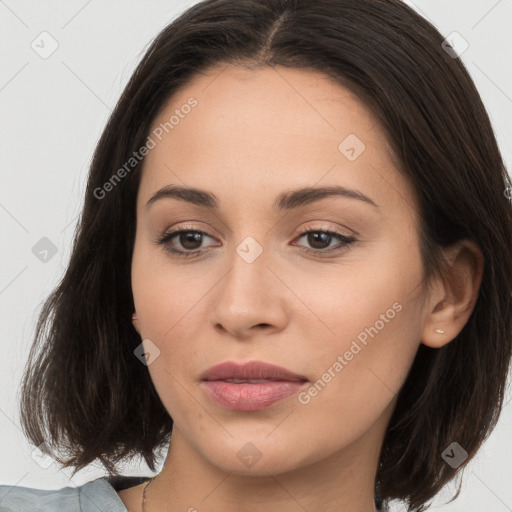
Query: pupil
{"x": 192, "y": 238}
{"x": 313, "y": 238}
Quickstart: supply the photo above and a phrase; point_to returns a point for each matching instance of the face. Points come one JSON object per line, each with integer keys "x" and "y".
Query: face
{"x": 324, "y": 285}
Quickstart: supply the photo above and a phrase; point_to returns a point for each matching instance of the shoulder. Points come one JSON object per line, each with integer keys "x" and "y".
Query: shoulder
{"x": 14, "y": 498}
{"x": 96, "y": 496}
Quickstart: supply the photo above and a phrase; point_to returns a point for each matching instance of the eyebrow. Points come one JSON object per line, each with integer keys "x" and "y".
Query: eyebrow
{"x": 285, "y": 201}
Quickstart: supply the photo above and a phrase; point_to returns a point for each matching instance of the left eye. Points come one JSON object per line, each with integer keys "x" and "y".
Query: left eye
{"x": 320, "y": 240}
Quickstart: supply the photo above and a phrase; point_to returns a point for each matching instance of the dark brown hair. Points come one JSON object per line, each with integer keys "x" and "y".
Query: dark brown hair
{"x": 86, "y": 394}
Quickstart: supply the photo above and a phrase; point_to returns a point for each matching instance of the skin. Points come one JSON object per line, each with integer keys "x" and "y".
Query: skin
{"x": 254, "y": 134}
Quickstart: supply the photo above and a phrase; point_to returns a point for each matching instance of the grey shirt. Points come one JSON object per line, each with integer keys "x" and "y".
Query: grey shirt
{"x": 99, "y": 495}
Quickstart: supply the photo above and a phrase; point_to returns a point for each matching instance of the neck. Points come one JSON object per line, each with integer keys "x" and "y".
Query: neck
{"x": 342, "y": 482}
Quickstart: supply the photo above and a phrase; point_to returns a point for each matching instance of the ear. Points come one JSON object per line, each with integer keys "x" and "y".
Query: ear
{"x": 135, "y": 322}
{"x": 453, "y": 296}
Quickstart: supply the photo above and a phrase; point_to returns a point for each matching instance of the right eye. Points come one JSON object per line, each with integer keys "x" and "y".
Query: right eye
{"x": 189, "y": 240}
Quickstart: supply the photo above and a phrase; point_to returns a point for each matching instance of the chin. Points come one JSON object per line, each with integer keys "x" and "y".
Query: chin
{"x": 259, "y": 456}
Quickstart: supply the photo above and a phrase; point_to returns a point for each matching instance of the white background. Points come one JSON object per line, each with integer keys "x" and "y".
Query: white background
{"x": 52, "y": 112}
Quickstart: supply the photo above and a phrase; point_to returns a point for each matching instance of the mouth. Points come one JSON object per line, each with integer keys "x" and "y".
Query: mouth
{"x": 251, "y": 386}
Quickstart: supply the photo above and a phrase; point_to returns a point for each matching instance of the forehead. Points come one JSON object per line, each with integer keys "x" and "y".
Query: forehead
{"x": 267, "y": 127}
{"x": 304, "y": 102}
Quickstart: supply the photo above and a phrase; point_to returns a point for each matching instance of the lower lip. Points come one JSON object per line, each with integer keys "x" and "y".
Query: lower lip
{"x": 251, "y": 397}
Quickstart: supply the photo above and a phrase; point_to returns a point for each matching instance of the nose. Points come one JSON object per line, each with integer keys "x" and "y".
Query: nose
{"x": 251, "y": 297}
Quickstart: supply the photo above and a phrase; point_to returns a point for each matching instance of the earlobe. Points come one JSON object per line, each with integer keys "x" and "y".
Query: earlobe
{"x": 455, "y": 295}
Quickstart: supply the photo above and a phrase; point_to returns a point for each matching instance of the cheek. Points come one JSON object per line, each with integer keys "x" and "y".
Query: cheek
{"x": 370, "y": 320}
{"x": 373, "y": 294}
{"x": 360, "y": 372}
{"x": 164, "y": 293}
{"x": 168, "y": 300}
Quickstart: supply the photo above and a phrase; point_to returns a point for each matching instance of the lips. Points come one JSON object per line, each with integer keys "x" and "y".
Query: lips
{"x": 251, "y": 386}
{"x": 253, "y": 370}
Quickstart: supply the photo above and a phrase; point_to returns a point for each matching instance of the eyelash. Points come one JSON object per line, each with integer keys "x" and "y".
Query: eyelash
{"x": 347, "y": 241}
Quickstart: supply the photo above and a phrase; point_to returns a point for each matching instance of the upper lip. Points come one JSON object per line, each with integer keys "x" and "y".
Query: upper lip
{"x": 250, "y": 370}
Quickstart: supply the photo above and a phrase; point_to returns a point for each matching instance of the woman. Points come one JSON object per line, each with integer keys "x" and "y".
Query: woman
{"x": 291, "y": 269}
